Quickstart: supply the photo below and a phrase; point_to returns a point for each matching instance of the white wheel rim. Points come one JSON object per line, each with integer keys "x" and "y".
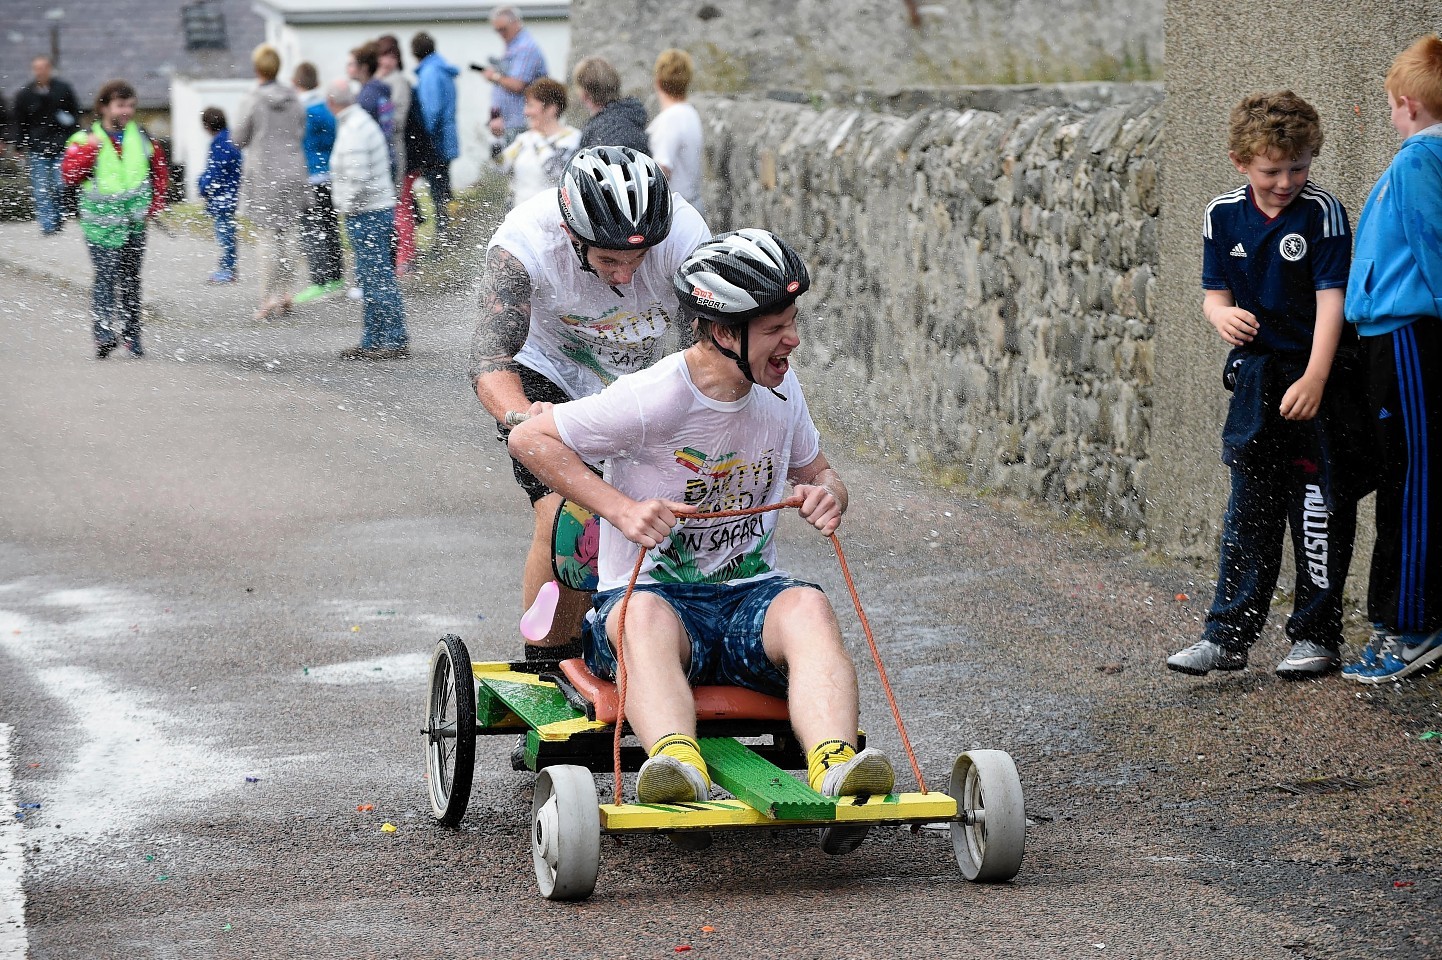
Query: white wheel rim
{"x": 546, "y": 831}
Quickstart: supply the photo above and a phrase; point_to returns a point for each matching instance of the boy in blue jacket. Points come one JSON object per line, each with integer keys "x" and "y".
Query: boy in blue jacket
{"x": 1394, "y": 297}
{"x": 220, "y": 186}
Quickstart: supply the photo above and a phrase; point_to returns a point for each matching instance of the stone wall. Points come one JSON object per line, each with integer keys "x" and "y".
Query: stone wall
{"x": 983, "y": 282}
{"x": 830, "y": 45}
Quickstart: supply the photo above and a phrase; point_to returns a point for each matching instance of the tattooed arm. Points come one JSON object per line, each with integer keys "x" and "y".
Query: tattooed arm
{"x": 501, "y": 331}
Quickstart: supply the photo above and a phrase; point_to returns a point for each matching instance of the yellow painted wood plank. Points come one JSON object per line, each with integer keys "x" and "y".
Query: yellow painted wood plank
{"x": 562, "y": 729}
{"x": 896, "y": 808}
{"x": 907, "y": 806}
{"x": 503, "y": 671}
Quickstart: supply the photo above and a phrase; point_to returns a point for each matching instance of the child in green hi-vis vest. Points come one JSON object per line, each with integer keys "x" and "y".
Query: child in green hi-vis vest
{"x": 122, "y": 178}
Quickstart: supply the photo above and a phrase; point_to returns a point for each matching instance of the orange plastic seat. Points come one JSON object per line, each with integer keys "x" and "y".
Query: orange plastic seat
{"x": 712, "y": 702}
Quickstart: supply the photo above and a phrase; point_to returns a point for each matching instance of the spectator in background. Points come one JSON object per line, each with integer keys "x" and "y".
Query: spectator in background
{"x": 375, "y": 94}
{"x": 675, "y": 134}
{"x": 319, "y": 231}
{"x": 273, "y": 191}
{"x": 522, "y": 64}
{"x": 615, "y": 122}
{"x": 220, "y": 189}
{"x": 46, "y": 112}
{"x": 436, "y": 91}
{"x": 536, "y": 159}
{"x": 364, "y": 191}
{"x": 391, "y": 72}
{"x": 122, "y": 176}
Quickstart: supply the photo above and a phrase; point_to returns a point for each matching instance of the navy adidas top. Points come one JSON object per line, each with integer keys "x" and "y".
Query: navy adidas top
{"x": 1274, "y": 265}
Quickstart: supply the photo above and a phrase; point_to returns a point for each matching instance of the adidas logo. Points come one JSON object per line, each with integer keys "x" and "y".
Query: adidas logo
{"x": 1384, "y": 414}
{"x": 1239, "y": 251}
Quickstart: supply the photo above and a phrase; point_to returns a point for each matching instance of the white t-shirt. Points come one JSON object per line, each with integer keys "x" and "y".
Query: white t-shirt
{"x": 661, "y": 437}
{"x": 535, "y": 162}
{"x": 676, "y": 145}
{"x": 582, "y": 335}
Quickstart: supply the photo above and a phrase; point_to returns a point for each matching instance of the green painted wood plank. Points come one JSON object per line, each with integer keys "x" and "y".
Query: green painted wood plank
{"x": 537, "y": 704}
{"x": 761, "y": 783}
{"x": 491, "y": 710}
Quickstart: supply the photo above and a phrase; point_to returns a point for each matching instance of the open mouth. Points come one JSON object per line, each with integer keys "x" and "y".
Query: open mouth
{"x": 779, "y": 365}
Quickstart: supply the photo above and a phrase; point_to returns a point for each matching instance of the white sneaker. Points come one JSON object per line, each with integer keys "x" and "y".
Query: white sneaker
{"x": 868, "y": 773}
{"x": 354, "y": 293}
{"x": 664, "y": 779}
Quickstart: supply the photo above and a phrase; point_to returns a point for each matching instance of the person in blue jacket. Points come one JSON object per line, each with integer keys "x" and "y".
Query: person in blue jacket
{"x": 319, "y": 229}
{"x": 436, "y": 91}
{"x": 1394, "y": 298}
{"x": 220, "y": 187}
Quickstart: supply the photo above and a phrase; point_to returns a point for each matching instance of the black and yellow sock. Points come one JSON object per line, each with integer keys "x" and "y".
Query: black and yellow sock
{"x": 824, "y": 756}
{"x": 682, "y": 748}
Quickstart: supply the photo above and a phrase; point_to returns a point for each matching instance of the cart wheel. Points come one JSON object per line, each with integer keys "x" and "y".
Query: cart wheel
{"x": 566, "y": 832}
{"x": 450, "y": 731}
{"x": 991, "y": 835}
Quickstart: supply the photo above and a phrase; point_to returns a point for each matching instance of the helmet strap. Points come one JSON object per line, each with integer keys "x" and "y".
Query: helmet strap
{"x": 742, "y": 363}
{"x": 581, "y": 250}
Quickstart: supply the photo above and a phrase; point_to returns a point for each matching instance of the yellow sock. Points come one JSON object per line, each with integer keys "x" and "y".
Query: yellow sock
{"x": 826, "y": 754}
{"x": 683, "y": 748}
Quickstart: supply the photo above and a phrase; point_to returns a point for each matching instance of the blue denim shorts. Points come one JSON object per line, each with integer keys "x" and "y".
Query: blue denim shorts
{"x": 723, "y": 622}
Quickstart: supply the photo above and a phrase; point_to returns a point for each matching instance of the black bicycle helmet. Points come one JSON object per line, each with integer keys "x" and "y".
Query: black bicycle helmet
{"x": 738, "y": 276}
{"x": 616, "y": 199}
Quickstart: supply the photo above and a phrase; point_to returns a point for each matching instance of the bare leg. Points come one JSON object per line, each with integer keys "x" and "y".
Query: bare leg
{"x": 802, "y": 635}
{"x": 573, "y": 604}
{"x": 658, "y": 698}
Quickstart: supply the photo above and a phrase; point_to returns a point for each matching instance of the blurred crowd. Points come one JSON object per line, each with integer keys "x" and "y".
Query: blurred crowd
{"x": 327, "y": 148}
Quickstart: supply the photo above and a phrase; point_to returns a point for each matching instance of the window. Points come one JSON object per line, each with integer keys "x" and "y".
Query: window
{"x": 204, "y": 25}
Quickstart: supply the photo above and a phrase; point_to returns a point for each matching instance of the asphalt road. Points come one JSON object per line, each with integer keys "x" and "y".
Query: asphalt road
{"x": 223, "y": 568}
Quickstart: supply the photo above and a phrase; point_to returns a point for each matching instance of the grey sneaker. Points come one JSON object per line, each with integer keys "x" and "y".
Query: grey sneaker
{"x": 868, "y": 773}
{"x": 1308, "y": 659}
{"x": 664, "y": 779}
{"x": 1204, "y": 656}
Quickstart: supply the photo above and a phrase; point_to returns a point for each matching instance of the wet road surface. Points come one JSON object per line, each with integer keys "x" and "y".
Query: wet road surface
{"x": 222, "y": 571}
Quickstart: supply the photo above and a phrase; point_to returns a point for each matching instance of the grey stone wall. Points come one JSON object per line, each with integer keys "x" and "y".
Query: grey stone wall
{"x": 1219, "y": 51}
{"x": 984, "y": 282}
{"x": 829, "y": 45}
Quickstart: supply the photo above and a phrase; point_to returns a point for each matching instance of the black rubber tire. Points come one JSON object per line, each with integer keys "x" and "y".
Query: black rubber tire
{"x": 450, "y": 731}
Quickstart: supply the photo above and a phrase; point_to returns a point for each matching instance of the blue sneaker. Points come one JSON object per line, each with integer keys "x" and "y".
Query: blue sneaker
{"x": 1403, "y": 656}
{"x": 1367, "y": 660}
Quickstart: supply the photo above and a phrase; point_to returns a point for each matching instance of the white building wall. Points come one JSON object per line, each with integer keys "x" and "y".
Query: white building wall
{"x": 460, "y": 42}
{"x": 189, "y": 143}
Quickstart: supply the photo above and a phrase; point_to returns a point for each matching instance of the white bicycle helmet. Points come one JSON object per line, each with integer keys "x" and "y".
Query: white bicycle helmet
{"x": 736, "y": 277}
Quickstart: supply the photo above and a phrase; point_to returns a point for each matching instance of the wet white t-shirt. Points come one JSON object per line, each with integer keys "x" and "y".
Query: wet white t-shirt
{"x": 582, "y": 335}
{"x": 675, "y": 137}
{"x": 659, "y": 436}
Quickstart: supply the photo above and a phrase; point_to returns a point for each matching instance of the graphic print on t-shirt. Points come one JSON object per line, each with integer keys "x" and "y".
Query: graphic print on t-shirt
{"x": 724, "y": 482}
{"x": 615, "y": 343}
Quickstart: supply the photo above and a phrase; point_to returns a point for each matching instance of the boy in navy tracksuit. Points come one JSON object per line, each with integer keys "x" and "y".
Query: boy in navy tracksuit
{"x": 1394, "y": 296}
{"x": 220, "y": 186}
{"x": 1274, "y": 270}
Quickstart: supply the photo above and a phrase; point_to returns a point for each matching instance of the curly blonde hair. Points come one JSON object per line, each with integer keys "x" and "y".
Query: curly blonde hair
{"x": 1279, "y": 124}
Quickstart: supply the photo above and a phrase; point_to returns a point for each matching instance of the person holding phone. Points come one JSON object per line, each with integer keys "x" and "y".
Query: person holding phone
{"x": 522, "y": 63}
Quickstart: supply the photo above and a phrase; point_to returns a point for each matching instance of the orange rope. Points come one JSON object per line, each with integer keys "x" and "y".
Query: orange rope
{"x": 850, "y": 584}
{"x": 880, "y": 669}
